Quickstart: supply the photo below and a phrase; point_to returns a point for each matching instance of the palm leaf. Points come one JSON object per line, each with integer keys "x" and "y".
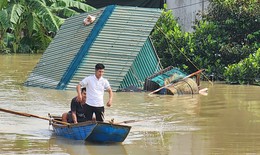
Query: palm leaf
{"x": 59, "y": 20}
{"x": 3, "y": 4}
{"x": 64, "y": 12}
{"x": 4, "y": 20}
{"x": 76, "y": 4}
{"x": 16, "y": 11}
{"x": 43, "y": 41}
{"x": 47, "y": 16}
{"x": 30, "y": 23}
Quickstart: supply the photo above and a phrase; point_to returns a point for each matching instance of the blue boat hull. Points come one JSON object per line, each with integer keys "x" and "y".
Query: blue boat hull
{"x": 105, "y": 132}
{"x": 100, "y": 132}
{"x": 76, "y": 132}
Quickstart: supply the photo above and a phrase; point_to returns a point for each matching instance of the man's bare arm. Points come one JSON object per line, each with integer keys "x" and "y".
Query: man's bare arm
{"x": 74, "y": 117}
{"x": 79, "y": 97}
{"x": 110, "y": 92}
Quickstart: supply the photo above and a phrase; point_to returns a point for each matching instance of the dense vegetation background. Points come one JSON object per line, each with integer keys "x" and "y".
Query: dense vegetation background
{"x": 225, "y": 40}
{"x": 28, "y": 26}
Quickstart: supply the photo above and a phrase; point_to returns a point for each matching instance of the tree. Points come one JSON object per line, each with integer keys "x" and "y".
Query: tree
{"x": 247, "y": 71}
{"x": 228, "y": 33}
{"x": 166, "y": 27}
{"x": 29, "y": 25}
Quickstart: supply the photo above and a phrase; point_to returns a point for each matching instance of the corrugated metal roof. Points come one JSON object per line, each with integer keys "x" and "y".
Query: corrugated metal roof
{"x": 121, "y": 44}
{"x": 146, "y": 63}
{"x": 61, "y": 51}
{"x": 117, "y": 46}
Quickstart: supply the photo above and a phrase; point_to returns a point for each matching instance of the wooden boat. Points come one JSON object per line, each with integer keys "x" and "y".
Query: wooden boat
{"x": 106, "y": 132}
{"x": 78, "y": 131}
{"x": 93, "y": 131}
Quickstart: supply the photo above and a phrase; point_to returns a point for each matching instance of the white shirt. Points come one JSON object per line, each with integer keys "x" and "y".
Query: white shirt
{"x": 95, "y": 90}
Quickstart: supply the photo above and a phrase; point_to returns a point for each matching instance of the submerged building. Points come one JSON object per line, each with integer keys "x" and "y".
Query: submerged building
{"x": 118, "y": 38}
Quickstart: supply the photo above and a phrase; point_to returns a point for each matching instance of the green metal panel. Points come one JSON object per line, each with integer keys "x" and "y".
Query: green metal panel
{"x": 145, "y": 64}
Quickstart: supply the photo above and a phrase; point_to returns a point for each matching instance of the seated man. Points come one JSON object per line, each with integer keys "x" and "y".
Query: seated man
{"x": 78, "y": 110}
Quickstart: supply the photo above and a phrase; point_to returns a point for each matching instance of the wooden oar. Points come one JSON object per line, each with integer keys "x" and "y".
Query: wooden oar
{"x": 123, "y": 122}
{"x": 128, "y": 121}
{"x": 188, "y": 76}
{"x": 31, "y": 115}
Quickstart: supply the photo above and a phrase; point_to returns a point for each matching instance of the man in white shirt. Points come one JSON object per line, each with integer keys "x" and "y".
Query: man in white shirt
{"x": 95, "y": 87}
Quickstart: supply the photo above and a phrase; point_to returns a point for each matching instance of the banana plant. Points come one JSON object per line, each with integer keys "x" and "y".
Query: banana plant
{"x": 33, "y": 23}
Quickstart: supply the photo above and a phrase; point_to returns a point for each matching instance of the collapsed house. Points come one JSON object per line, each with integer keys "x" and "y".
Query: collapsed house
{"x": 117, "y": 36}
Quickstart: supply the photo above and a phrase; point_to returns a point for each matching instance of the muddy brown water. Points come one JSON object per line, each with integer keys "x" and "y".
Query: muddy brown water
{"x": 226, "y": 121}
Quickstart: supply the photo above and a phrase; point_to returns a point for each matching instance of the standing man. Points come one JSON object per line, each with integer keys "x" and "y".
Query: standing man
{"x": 95, "y": 87}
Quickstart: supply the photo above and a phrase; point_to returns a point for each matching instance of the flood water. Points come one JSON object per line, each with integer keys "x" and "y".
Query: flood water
{"x": 225, "y": 122}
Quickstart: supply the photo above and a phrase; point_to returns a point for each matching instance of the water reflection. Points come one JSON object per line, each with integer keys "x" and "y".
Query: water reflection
{"x": 82, "y": 147}
{"x": 25, "y": 144}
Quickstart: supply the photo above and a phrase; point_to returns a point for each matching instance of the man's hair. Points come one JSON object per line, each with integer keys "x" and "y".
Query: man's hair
{"x": 99, "y": 66}
{"x": 83, "y": 89}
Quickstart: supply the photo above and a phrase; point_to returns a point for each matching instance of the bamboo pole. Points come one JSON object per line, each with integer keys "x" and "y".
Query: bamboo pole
{"x": 32, "y": 115}
{"x": 192, "y": 74}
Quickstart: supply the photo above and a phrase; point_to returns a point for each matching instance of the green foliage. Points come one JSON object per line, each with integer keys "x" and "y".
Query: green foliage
{"x": 207, "y": 43}
{"x": 32, "y": 23}
{"x": 238, "y": 19}
{"x": 164, "y": 25}
{"x": 227, "y": 34}
{"x": 170, "y": 41}
{"x": 247, "y": 71}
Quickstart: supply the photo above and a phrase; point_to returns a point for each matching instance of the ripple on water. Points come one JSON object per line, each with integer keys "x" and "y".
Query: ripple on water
{"x": 224, "y": 122}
